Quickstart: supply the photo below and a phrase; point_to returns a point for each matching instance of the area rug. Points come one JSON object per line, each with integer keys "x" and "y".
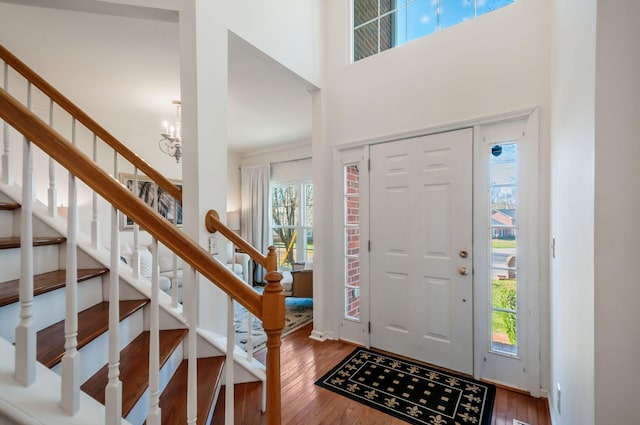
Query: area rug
{"x": 410, "y": 391}
{"x": 298, "y": 312}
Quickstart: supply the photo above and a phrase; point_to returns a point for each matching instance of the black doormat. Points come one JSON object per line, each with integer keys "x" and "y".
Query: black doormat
{"x": 410, "y": 391}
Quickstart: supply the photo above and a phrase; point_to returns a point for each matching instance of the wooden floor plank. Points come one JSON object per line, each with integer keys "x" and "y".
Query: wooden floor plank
{"x": 134, "y": 368}
{"x": 305, "y": 360}
{"x": 92, "y": 323}
{"x": 44, "y": 282}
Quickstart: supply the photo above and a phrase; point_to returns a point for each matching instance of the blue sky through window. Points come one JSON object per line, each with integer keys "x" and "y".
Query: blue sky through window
{"x": 382, "y": 24}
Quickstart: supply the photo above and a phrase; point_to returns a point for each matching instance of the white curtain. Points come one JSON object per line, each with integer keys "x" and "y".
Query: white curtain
{"x": 254, "y": 213}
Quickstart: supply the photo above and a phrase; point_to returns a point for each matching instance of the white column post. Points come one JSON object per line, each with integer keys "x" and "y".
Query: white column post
{"x": 25, "y": 352}
{"x": 228, "y": 366}
{"x": 7, "y": 169}
{"x": 154, "y": 416}
{"x": 52, "y": 193}
{"x": 190, "y": 276}
{"x": 95, "y": 223}
{"x": 25, "y": 361}
{"x": 70, "y": 371}
{"x": 174, "y": 279}
{"x": 113, "y": 392}
{"x": 136, "y": 231}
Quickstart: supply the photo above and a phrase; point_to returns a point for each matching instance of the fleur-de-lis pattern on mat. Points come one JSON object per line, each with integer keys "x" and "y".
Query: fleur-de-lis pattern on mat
{"x": 416, "y": 393}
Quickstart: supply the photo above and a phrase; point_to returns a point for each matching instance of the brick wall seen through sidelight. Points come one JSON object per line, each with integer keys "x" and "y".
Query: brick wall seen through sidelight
{"x": 352, "y": 240}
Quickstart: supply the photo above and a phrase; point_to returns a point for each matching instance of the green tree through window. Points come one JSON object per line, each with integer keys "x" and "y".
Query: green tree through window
{"x": 291, "y": 222}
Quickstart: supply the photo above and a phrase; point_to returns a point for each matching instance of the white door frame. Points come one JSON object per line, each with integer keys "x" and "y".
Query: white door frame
{"x": 358, "y": 334}
{"x": 524, "y": 369}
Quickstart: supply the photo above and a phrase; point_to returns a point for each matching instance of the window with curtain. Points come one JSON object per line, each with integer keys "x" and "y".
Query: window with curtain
{"x": 292, "y": 222}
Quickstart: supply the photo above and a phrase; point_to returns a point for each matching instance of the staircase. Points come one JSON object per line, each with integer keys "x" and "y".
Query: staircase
{"x": 93, "y": 316}
{"x": 85, "y": 339}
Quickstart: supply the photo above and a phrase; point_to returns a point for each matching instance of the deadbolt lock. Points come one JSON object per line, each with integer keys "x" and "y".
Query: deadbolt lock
{"x": 463, "y": 254}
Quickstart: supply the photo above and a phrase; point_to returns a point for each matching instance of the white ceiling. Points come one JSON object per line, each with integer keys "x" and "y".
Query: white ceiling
{"x": 268, "y": 105}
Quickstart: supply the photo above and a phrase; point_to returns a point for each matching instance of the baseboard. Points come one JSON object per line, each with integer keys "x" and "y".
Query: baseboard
{"x": 321, "y": 336}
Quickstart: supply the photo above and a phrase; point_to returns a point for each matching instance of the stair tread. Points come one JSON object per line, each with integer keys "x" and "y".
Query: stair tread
{"x": 9, "y": 206}
{"x": 173, "y": 400}
{"x": 14, "y": 241}
{"x": 134, "y": 368}
{"x": 92, "y": 323}
{"x": 44, "y": 282}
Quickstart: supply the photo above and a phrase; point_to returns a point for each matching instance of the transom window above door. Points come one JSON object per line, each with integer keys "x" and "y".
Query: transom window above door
{"x": 379, "y": 25}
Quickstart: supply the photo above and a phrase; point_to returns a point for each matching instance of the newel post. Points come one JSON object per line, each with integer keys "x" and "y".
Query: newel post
{"x": 272, "y": 261}
{"x": 273, "y": 322}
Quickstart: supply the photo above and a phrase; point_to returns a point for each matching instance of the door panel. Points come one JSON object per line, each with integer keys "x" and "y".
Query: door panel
{"x": 421, "y": 307}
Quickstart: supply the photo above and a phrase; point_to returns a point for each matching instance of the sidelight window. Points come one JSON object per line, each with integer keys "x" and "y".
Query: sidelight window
{"x": 503, "y": 226}
{"x": 351, "y": 226}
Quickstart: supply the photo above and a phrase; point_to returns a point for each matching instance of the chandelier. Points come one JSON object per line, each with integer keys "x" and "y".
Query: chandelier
{"x": 171, "y": 143}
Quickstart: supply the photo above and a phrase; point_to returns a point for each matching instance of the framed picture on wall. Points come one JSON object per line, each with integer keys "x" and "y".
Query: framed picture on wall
{"x": 146, "y": 191}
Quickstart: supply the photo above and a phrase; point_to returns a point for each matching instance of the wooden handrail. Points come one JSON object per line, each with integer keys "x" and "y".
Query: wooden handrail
{"x": 213, "y": 224}
{"x": 88, "y": 122}
{"x": 80, "y": 165}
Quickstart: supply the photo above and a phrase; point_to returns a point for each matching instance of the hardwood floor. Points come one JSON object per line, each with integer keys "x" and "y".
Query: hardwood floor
{"x": 305, "y": 360}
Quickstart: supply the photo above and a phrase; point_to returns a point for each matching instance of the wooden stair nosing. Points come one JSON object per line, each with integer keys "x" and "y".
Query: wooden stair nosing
{"x": 9, "y": 206}
{"x": 134, "y": 368}
{"x": 14, "y": 241}
{"x": 92, "y": 323}
{"x": 44, "y": 282}
{"x": 173, "y": 400}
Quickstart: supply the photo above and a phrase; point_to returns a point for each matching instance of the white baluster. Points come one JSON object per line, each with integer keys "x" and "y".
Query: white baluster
{"x": 136, "y": 231}
{"x": 70, "y": 371}
{"x": 52, "y": 192}
{"x": 113, "y": 392}
{"x": 154, "y": 416}
{"x": 25, "y": 352}
{"x": 95, "y": 223}
{"x": 192, "y": 378}
{"x": 229, "y": 384}
{"x": 174, "y": 278}
{"x": 250, "y": 337}
{"x": 7, "y": 169}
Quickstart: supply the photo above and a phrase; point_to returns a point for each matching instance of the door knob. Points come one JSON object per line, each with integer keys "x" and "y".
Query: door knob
{"x": 463, "y": 271}
{"x": 463, "y": 254}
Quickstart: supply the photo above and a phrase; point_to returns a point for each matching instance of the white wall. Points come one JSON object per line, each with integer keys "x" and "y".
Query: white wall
{"x": 572, "y": 198}
{"x": 493, "y": 64}
{"x": 288, "y": 31}
{"x": 82, "y": 53}
{"x": 617, "y": 202}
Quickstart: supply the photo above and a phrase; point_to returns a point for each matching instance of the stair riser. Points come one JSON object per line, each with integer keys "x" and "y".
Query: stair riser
{"x": 6, "y": 223}
{"x": 45, "y": 259}
{"x": 138, "y": 414}
{"x": 49, "y": 308}
{"x": 96, "y": 354}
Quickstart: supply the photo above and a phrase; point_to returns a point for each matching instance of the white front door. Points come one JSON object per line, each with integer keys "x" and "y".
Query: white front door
{"x": 421, "y": 249}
